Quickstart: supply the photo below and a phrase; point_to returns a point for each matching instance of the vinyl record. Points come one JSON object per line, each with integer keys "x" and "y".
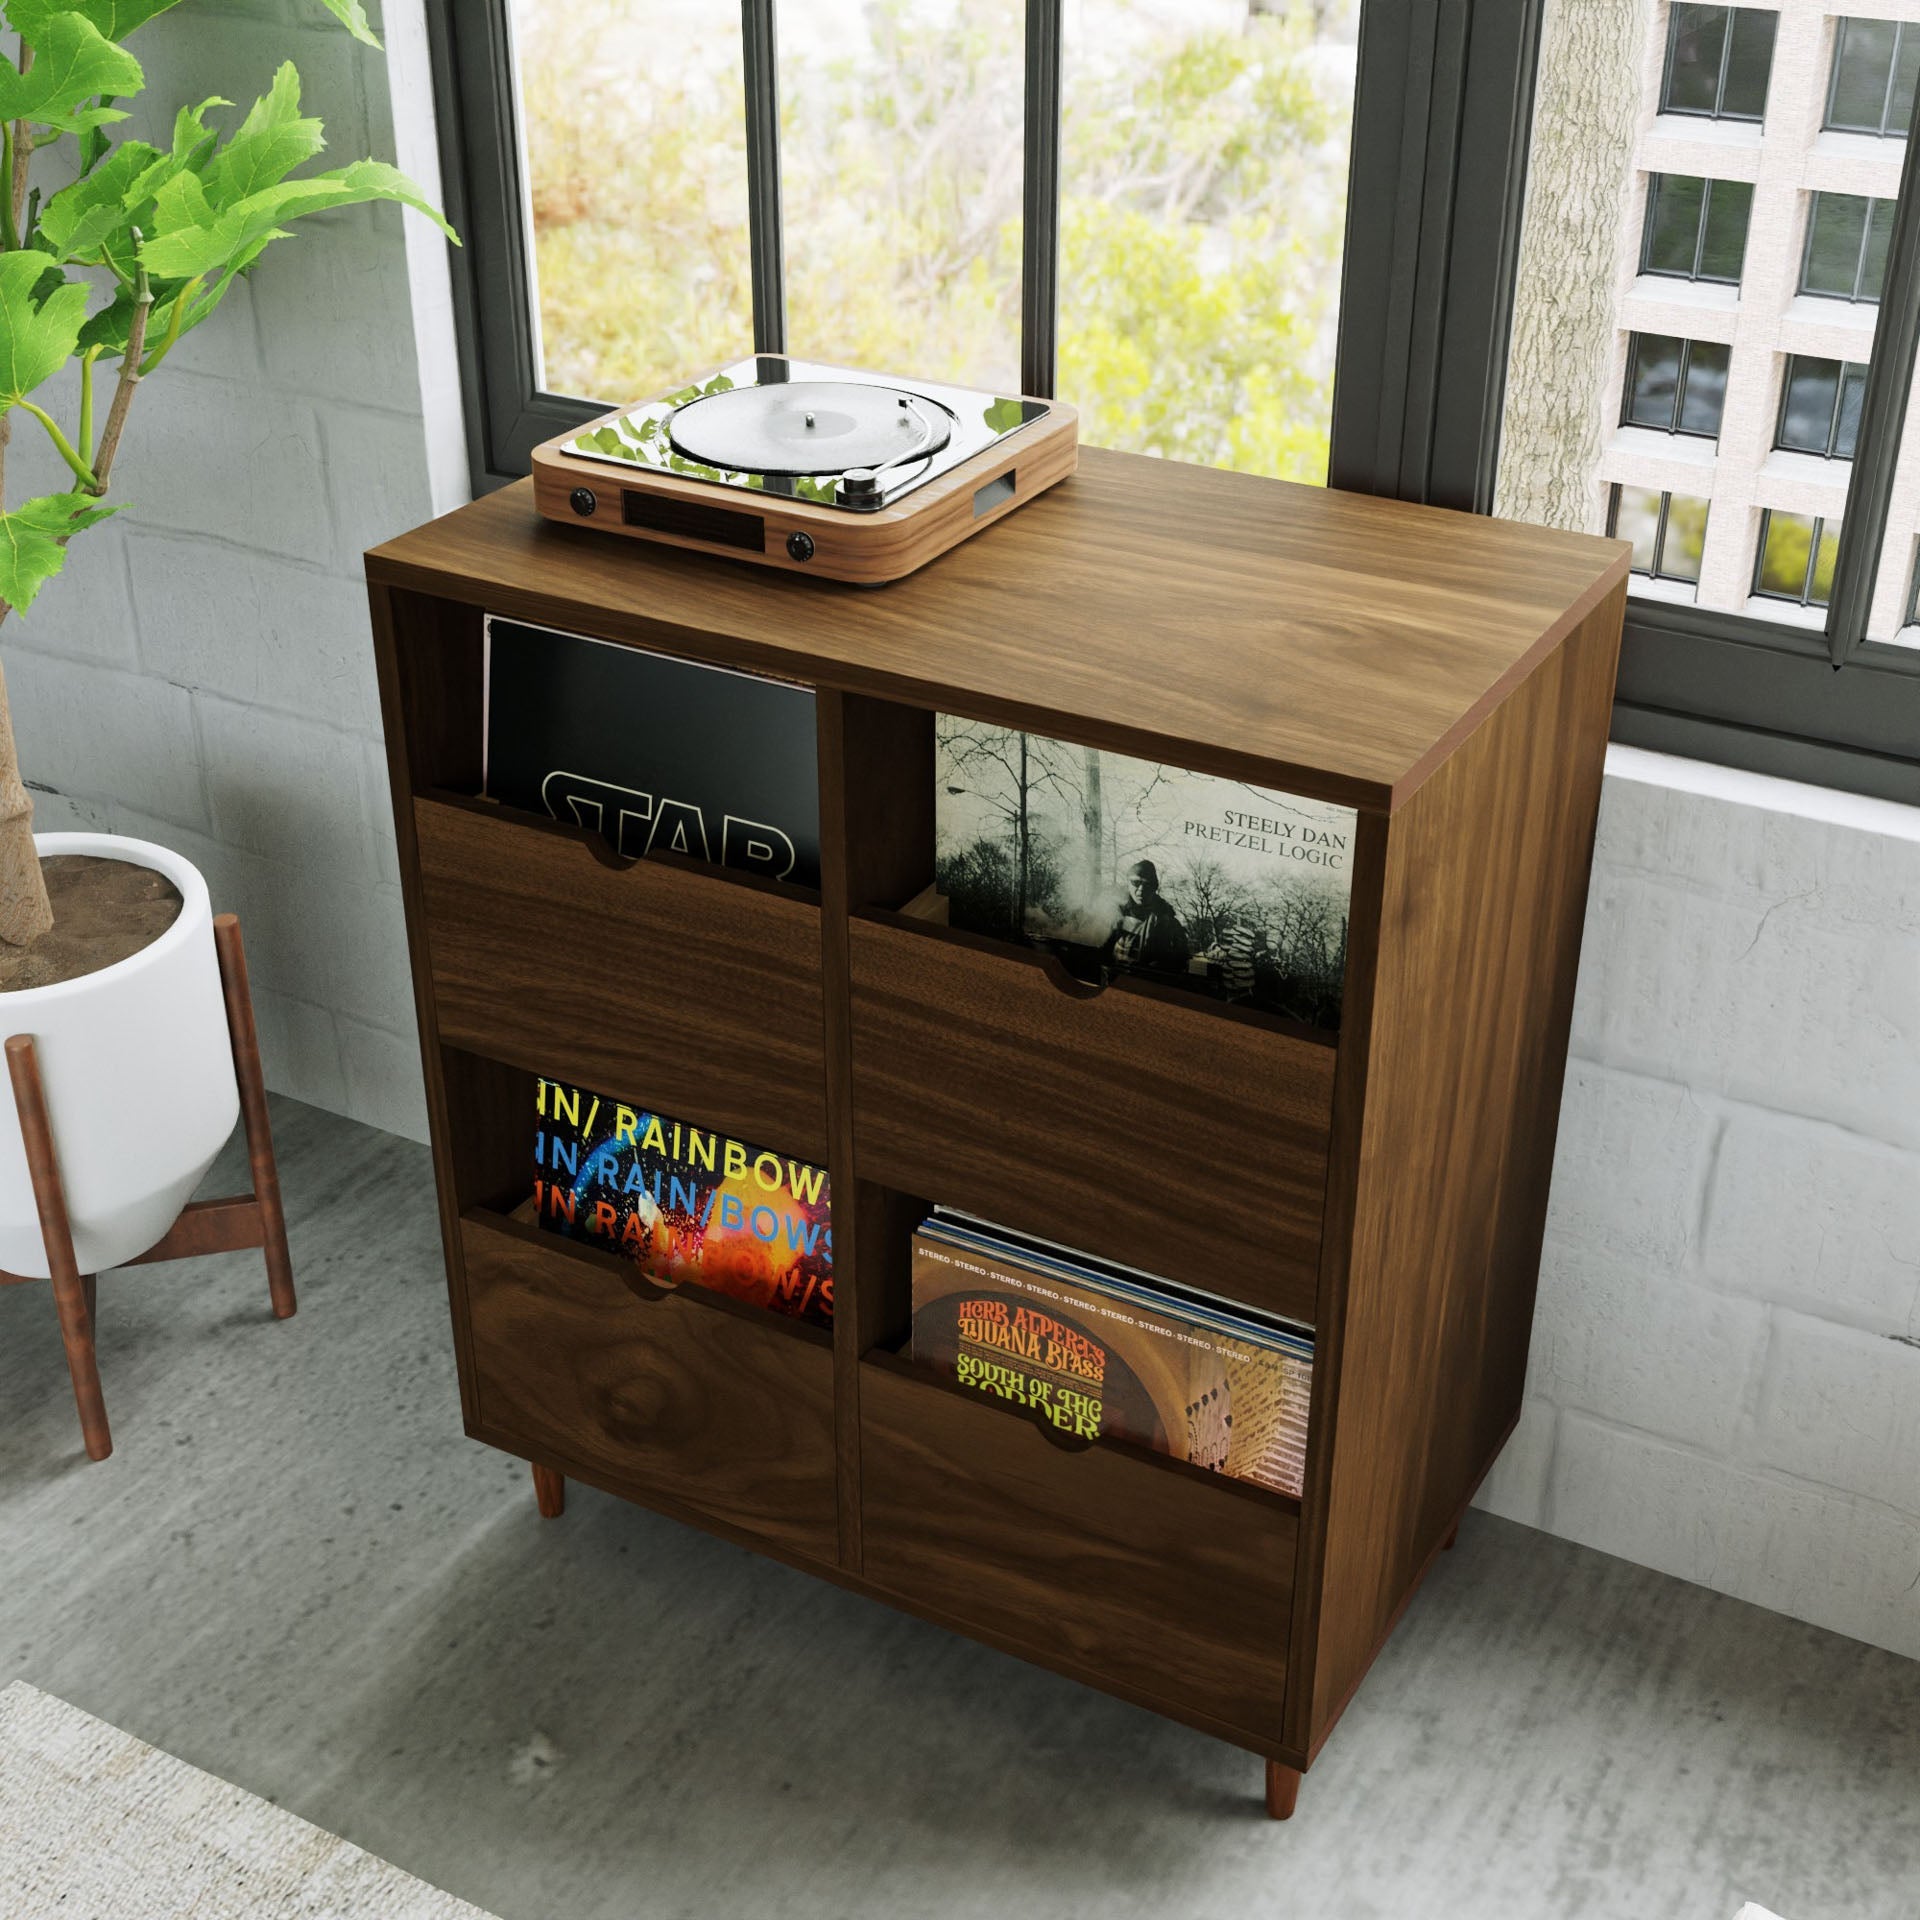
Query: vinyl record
{"x": 808, "y": 427}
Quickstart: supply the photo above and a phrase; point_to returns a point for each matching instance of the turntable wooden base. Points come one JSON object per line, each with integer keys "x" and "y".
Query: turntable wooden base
{"x": 774, "y": 530}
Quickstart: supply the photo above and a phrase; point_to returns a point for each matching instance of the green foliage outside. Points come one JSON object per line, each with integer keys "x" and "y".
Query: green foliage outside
{"x": 1203, "y": 202}
{"x": 126, "y": 247}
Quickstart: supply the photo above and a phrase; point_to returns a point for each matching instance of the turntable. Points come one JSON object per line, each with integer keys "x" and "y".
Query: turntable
{"x": 813, "y": 468}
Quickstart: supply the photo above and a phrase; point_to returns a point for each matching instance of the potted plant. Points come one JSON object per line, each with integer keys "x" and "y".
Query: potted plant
{"x": 106, "y": 944}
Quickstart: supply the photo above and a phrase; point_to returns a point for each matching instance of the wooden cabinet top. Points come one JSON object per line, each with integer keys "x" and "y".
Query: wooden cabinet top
{"x": 1335, "y": 644}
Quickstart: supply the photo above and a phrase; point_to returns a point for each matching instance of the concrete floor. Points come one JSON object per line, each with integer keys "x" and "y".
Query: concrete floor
{"x": 296, "y": 1573}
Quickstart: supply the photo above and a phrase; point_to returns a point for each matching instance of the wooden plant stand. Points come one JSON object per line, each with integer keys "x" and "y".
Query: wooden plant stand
{"x": 205, "y": 1226}
{"x": 1447, "y": 677}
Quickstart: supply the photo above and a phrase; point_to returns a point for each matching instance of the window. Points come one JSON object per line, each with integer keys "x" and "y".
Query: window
{"x": 1696, "y": 229}
{"x": 1820, "y": 406}
{"x": 1719, "y": 60}
{"x": 1668, "y": 531}
{"x": 901, "y": 178}
{"x": 1677, "y": 386}
{"x": 1797, "y": 552}
{"x": 1786, "y": 654}
{"x": 1203, "y": 198}
{"x": 1472, "y": 300}
{"x": 1145, "y": 203}
{"x": 1846, "y": 255}
{"x": 1875, "y": 64}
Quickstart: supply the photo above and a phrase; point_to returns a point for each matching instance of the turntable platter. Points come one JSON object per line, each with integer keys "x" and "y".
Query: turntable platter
{"x": 807, "y": 427}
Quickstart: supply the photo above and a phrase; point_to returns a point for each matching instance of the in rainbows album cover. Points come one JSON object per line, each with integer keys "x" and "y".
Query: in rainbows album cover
{"x": 685, "y": 1204}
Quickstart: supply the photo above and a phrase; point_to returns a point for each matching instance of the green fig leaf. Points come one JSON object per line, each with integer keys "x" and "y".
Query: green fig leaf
{"x": 353, "y": 16}
{"x": 271, "y": 142}
{"x": 74, "y": 64}
{"x": 33, "y": 537}
{"x": 39, "y": 325}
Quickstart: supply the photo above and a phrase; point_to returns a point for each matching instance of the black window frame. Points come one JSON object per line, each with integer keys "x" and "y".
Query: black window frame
{"x": 1831, "y": 451}
{"x": 1873, "y": 203}
{"x": 1683, "y": 371}
{"x": 1442, "y": 122}
{"x": 1718, "y": 110}
{"x": 1614, "y": 491}
{"x": 1805, "y": 596}
{"x": 1708, "y": 184}
{"x": 1886, "y": 128}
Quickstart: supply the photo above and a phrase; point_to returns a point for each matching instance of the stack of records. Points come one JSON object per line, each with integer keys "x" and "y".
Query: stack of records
{"x": 1104, "y": 1352}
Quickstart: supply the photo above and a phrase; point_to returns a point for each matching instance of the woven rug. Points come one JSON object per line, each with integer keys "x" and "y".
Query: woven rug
{"x": 96, "y": 1825}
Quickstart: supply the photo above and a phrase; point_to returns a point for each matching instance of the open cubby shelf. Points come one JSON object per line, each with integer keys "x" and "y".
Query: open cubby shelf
{"x": 1449, "y": 678}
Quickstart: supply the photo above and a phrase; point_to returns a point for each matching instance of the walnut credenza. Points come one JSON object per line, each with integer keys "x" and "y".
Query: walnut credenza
{"x": 1447, "y": 676}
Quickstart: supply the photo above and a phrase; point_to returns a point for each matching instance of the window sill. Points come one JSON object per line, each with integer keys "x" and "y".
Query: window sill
{"x": 1833, "y": 805}
{"x": 1887, "y": 150}
{"x": 1834, "y": 329}
{"x": 1672, "y": 593}
{"x": 1735, "y": 145}
{"x": 1712, "y": 300}
{"x": 1793, "y": 482}
{"x": 1785, "y": 613}
{"x": 1637, "y": 454}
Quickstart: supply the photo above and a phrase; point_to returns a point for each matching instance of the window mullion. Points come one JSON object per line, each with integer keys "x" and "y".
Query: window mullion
{"x": 1726, "y": 60}
{"x": 1040, "y": 202}
{"x": 1883, "y": 406}
{"x": 765, "y": 230}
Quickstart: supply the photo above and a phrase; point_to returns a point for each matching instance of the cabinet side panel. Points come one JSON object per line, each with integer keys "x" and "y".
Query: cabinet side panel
{"x": 1482, "y": 907}
{"x": 428, "y": 654}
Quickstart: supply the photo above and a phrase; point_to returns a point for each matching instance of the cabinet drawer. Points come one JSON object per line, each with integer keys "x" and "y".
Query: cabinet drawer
{"x": 648, "y": 980}
{"x": 1146, "y": 1575}
{"x": 676, "y": 1397}
{"x": 1181, "y": 1139}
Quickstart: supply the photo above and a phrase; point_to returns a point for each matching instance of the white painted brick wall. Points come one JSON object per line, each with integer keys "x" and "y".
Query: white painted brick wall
{"x": 202, "y": 675}
{"x": 1725, "y": 1379}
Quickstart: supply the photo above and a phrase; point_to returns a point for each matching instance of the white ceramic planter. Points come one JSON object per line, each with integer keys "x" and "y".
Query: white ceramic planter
{"x": 138, "y": 1071}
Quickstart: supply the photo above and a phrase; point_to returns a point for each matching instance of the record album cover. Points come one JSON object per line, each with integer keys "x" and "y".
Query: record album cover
{"x": 1104, "y": 1359}
{"x": 683, "y": 1203}
{"x": 654, "y": 753}
{"x": 1120, "y": 865}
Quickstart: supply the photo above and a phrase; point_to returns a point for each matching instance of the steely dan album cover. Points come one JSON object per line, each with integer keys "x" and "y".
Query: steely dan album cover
{"x": 652, "y": 752}
{"x": 1121, "y": 866}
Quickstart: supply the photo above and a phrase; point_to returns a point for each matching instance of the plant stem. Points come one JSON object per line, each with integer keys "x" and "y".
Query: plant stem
{"x": 129, "y": 375}
{"x": 86, "y": 402}
{"x": 82, "y": 471}
{"x": 21, "y": 157}
{"x": 9, "y": 228}
{"x": 176, "y": 314}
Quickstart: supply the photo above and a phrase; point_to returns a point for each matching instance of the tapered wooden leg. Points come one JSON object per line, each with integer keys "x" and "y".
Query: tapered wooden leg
{"x": 1446, "y": 1545}
{"x": 549, "y": 1492}
{"x": 73, "y": 1292}
{"x": 1283, "y": 1789}
{"x": 253, "y": 1110}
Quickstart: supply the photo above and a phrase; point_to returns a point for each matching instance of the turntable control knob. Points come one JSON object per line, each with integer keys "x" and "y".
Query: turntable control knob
{"x": 582, "y": 501}
{"x": 800, "y": 545}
